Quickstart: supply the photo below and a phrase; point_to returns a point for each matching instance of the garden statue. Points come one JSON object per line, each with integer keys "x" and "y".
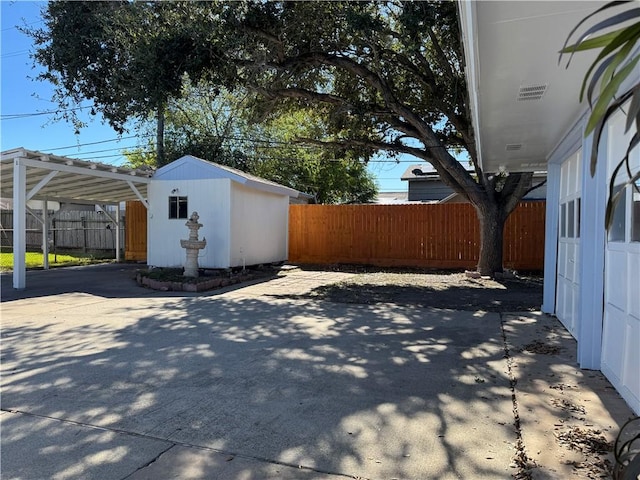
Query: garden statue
{"x": 192, "y": 245}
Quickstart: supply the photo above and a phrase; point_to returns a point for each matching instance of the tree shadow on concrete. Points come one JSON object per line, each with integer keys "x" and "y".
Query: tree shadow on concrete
{"x": 365, "y": 391}
{"x": 567, "y": 415}
{"x": 510, "y": 296}
{"x": 115, "y": 280}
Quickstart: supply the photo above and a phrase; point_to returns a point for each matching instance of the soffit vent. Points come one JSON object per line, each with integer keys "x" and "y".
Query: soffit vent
{"x": 531, "y": 92}
{"x": 513, "y": 147}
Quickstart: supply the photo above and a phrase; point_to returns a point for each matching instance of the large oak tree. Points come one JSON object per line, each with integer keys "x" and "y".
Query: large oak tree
{"x": 384, "y": 76}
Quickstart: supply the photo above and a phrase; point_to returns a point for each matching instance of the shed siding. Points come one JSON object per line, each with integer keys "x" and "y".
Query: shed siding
{"x": 210, "y": 198}
{"x": 259, "y": 230}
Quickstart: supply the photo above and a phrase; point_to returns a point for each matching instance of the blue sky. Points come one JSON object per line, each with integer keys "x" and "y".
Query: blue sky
{"x": 25, "y": 103}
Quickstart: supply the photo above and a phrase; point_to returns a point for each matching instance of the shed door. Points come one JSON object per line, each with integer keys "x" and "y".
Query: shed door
{"x": 567, "y": 296}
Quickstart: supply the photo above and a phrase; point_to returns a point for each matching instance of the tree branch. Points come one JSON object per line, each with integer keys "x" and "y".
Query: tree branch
{"x": 395, "y": 147}
{"x": 301, "y": 93}
{"x": 443, "y": 61}
{"x": 441, "y": 156}
{"x": 518, "y": 185}
{"x": 535, "y": 187}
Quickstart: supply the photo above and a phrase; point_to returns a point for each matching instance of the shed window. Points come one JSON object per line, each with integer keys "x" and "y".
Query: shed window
{"x": 177, "y": 207}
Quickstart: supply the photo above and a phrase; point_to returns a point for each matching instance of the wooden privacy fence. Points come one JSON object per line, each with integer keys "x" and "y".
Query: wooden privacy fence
{"x": 77, "y": 230}
{"x": 428, "y": 236}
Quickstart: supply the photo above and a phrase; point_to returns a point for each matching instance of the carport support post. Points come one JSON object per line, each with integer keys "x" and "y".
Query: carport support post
{"x": 45, "y": 235}
{"x": 19, "y": 223}
{"x": 118, "y": 222}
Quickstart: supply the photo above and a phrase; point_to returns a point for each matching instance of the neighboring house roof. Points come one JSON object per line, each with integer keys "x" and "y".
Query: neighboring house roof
{"x": 190, "y": 168}
{"x": 425, "y": 171}
{"x": 425, "y": 185}
{"x": 391, "y": 198}
{"x": 422, "y": 171}
{"x": 302, "y": 199}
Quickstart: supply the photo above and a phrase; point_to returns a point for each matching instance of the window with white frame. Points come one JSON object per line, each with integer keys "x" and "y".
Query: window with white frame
{"x": 625, "y": 223}
{"x": 625, "y": 219}
{"x": 177, "y": 207}
{"x": 570, "y": 203}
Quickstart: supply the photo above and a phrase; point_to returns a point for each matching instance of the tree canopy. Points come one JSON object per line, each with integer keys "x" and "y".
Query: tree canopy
{"x": 211, "y": 123}
{"x": 381, "y": 76}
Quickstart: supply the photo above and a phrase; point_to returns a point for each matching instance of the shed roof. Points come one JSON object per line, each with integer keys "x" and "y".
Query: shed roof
{"x": 51, "y": 177}
{"x": 190, "y": 167}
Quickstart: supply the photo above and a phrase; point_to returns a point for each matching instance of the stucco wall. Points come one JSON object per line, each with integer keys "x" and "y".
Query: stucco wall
{"x": 259, "y": 226}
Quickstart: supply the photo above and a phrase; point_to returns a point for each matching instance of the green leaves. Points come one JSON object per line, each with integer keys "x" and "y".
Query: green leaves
{"x": 617, "y": 59}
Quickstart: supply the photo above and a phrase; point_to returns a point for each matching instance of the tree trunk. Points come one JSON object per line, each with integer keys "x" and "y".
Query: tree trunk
{"x": 492, "y": 222}
{"x": 160, "y": 136}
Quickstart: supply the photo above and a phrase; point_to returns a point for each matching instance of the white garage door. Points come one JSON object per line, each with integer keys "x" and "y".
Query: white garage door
{"x": 621, "y": 325}
{"x": 567, "y": 293}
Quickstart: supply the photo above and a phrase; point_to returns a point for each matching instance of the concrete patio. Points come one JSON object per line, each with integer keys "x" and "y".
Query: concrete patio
{"x": 117, "y": 382}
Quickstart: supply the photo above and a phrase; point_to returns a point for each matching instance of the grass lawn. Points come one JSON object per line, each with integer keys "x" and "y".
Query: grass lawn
{"x": 34, "y": 260}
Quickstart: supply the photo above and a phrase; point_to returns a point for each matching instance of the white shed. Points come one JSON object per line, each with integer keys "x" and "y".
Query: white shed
{"x": 245, "y": 218}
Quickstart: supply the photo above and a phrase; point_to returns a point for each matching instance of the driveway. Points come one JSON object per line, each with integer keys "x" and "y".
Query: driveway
{"x": 249, "y": 384}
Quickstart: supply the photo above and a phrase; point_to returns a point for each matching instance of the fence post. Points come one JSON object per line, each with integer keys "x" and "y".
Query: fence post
{"x": 45, "y": 235}
{"x": 55, "y": 250}
{"x": 84, "y": 234}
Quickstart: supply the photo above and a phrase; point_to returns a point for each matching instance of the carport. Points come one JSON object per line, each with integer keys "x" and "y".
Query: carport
{"x": 29, "y": 175}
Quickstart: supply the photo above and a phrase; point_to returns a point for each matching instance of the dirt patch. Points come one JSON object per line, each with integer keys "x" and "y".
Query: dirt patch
{"x": 436, "y": 289}
{"x": 569, "y": 406}
{"x": 541, "y": 347}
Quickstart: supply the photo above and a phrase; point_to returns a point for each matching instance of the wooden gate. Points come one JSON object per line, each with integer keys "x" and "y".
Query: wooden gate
{"x": 136, "y": 231}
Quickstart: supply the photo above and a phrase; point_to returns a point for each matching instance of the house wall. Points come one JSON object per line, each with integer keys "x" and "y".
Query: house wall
{"x": 421, "y": 190}
{"x": 434, "y": 190}
{"x": 259, "y": 230}
{"x": 211, "y": 199}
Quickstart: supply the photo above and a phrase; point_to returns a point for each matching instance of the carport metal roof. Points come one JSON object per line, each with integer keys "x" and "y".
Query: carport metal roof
{"x": 50, "y": 177}
{"x": 29, "y": 175}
